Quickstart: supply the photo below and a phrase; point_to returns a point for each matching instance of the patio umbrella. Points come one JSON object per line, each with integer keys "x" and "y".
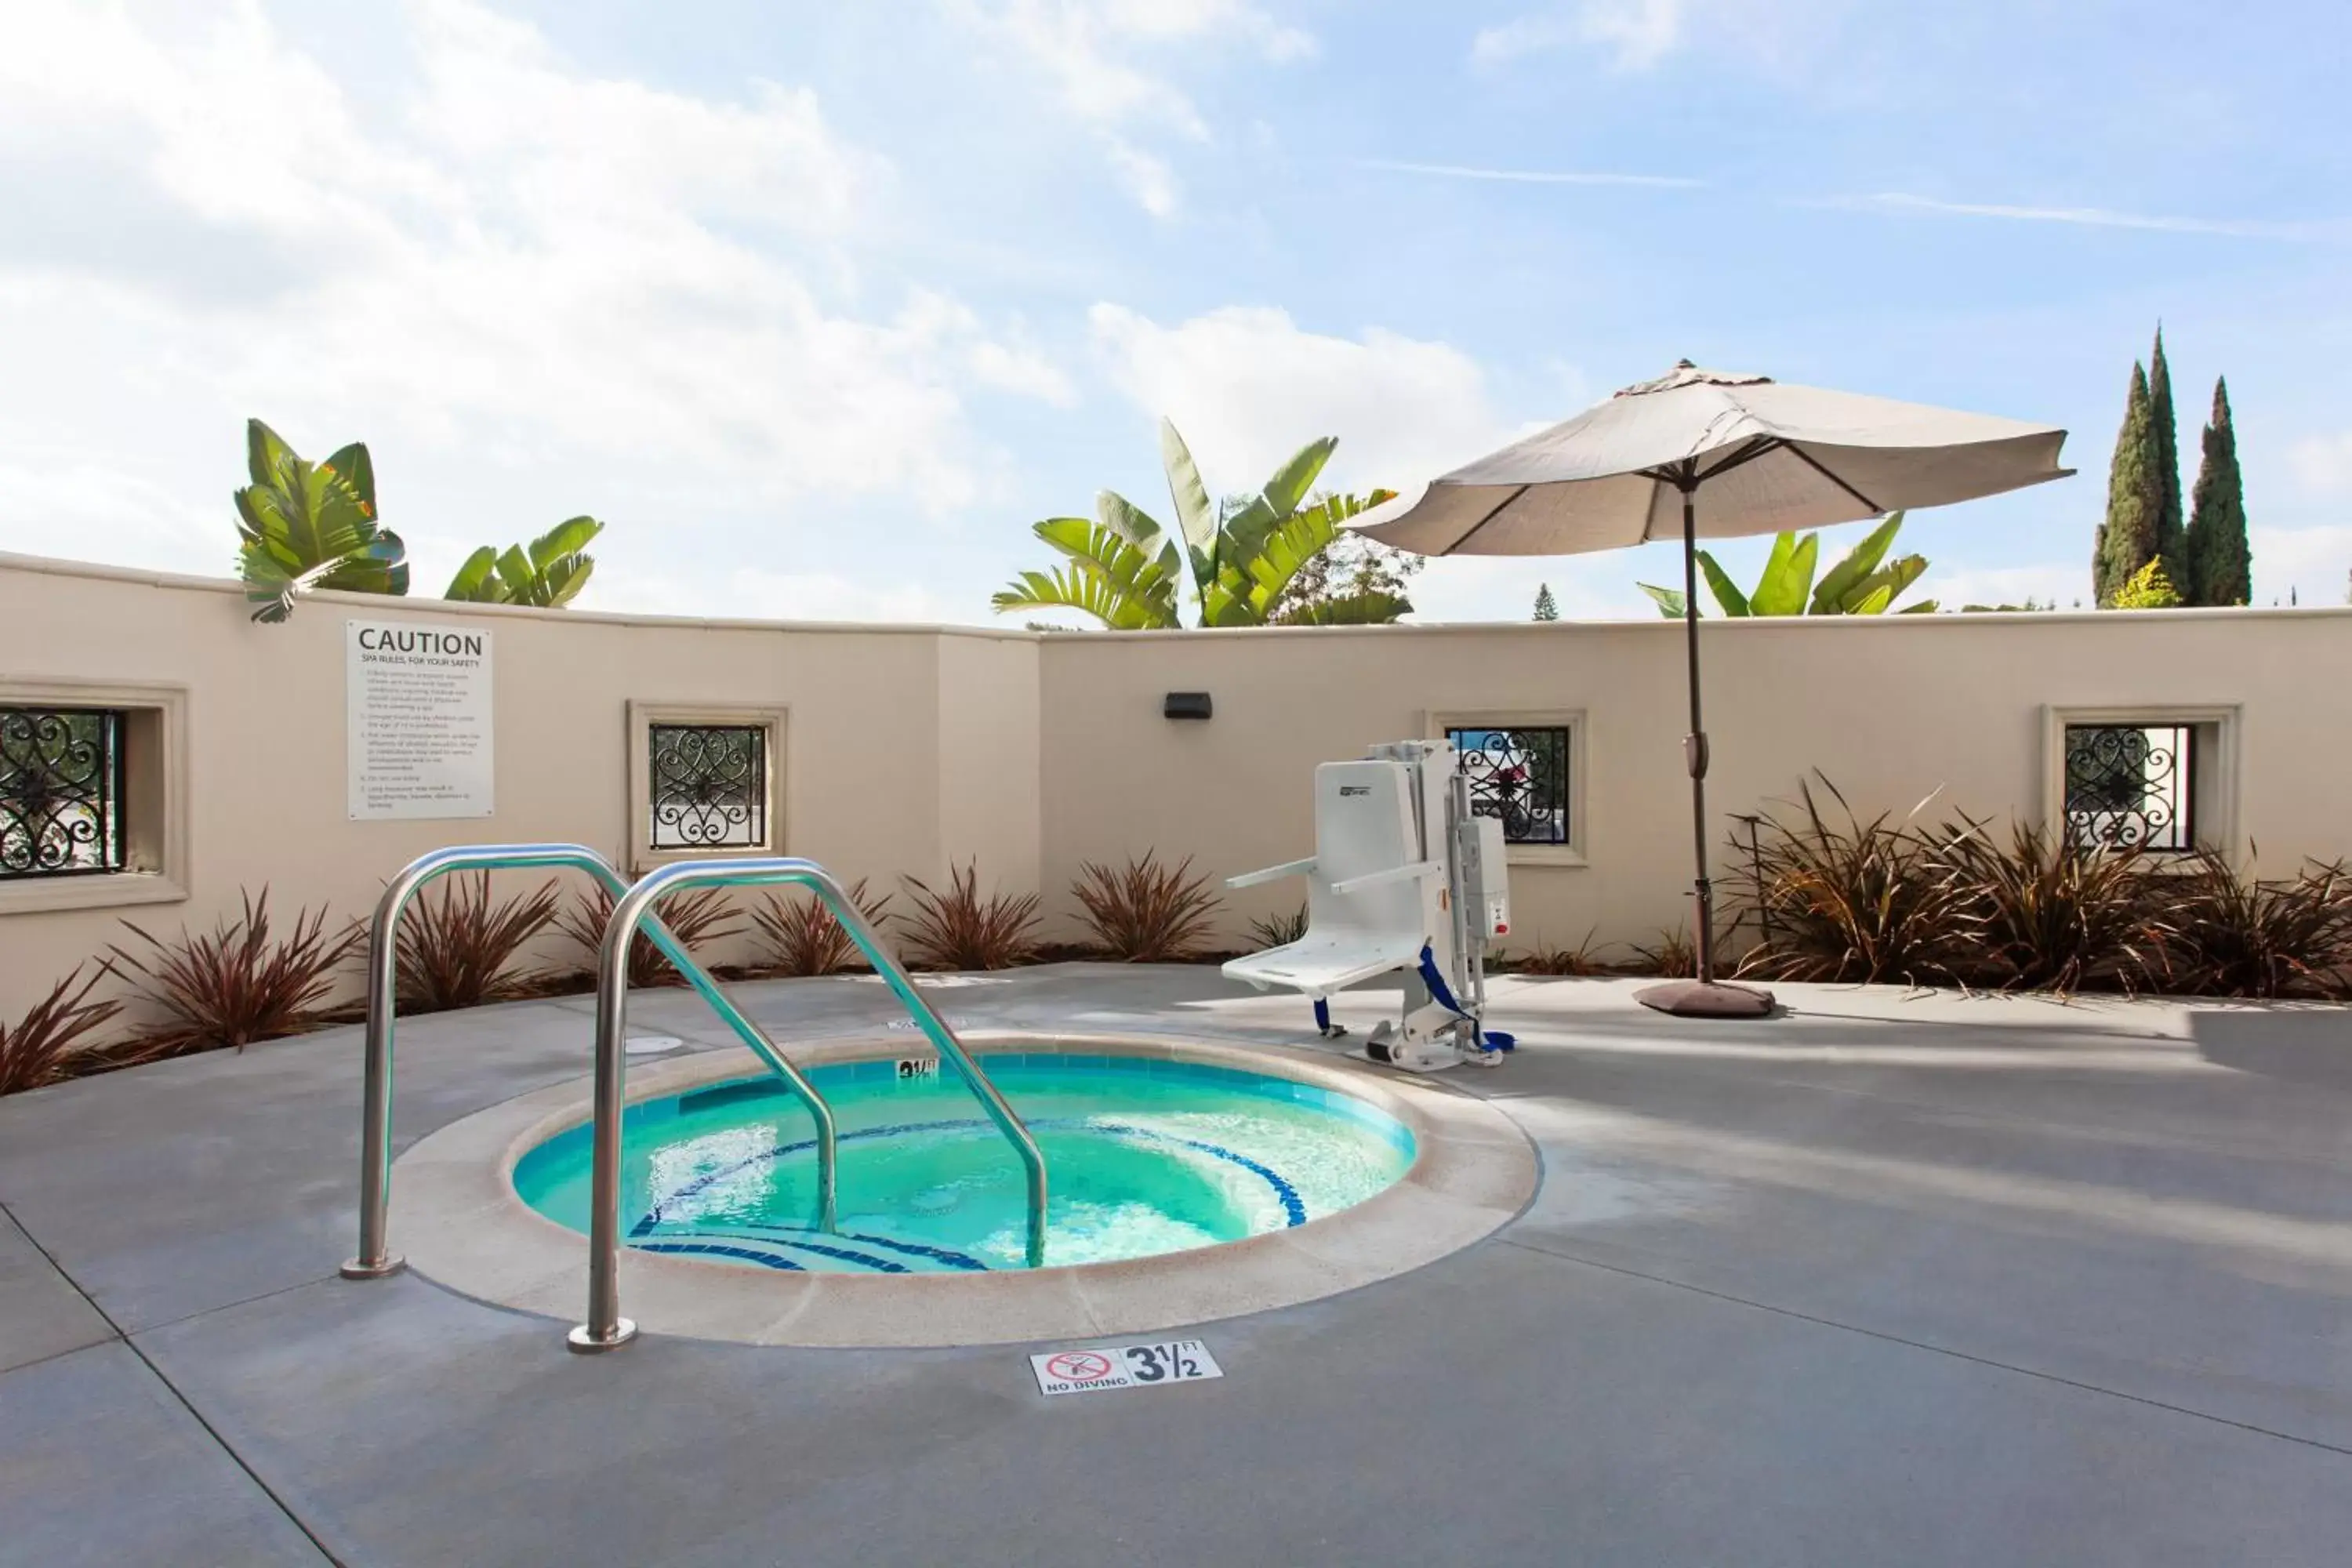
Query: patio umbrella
{"x": 1712, "y": 455}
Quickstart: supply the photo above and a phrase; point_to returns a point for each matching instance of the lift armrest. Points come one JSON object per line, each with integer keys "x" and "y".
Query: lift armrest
{"x": 1272, "y": 873}
{"x": 1411, "y": 873}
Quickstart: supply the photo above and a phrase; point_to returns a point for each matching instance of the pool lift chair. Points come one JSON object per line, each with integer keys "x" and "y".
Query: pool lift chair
{"x": 1404, "y": 878}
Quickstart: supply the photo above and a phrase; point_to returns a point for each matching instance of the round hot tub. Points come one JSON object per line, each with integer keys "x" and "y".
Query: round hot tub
{"x": 1188, "y": 1179}
{"x": 1146, "y": 1155}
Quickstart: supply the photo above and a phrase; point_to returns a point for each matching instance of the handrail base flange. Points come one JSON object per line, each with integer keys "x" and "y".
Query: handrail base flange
{"x": 583, "y": 1340}
{"x": 361, "y": 1269}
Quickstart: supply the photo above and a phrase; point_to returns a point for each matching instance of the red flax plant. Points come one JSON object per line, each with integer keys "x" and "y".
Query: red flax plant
{"x": 695, "y": 918}
{"x": 1147, "y": 912}
{"x": 1280, "y": 931}
{"x": 1580, "y": 961}
{"x": 957, "y": 929}
{"x": 2222, "y": 932}
{"x": 39, "y": 1048}
{"x": 1850, "y": 902}
{"x": 2046, "y": 914}
{"x": 238, "y": 985}
{"x": 801, "y": 935}
{"x": 455, "y": 950}
{"x": 1674, "y": 955}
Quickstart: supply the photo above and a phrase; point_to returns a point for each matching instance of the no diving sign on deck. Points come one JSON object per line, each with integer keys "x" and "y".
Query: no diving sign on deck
{"x": 1124, "y": 1366}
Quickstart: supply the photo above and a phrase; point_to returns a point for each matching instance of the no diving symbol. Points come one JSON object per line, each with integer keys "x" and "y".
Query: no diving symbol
{"x": 1079, "y": 1366}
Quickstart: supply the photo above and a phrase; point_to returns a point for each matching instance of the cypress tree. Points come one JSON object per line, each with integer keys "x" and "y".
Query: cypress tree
{"x": 2170, "y": 535}
{"x": 2128, "y": 540}
{"x": 2221, "y": 561}
{"x": 1546, "y": 609}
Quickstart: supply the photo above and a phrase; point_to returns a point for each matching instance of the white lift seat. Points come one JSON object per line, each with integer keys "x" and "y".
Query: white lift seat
{"x": 1372, "y": 901}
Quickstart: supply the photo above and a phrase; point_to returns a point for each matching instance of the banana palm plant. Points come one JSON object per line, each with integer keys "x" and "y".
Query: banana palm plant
{"x": 546, "y": 572}
{"x": 1128, "y": 571}
{"x": 1857, "y": 586}
{"x": 310, "y": 525}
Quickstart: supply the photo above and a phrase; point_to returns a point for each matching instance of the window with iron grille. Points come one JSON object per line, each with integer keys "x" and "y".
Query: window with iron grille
{"x": 2130, "y": 786}
{"x": 707, "y": 785}
{"x": 61, "y": 792}
{"x": 1520, "y": 775}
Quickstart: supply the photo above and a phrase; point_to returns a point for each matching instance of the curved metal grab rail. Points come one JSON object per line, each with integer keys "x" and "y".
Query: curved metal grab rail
{"x": 605, "y": 1327}
{"x": 375, "y": 1112}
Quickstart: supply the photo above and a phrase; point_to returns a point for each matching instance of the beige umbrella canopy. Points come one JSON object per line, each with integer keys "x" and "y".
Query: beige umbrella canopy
{"x": 1709, "y": 455}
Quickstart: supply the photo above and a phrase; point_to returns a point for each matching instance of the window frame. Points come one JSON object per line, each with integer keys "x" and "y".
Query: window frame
{"x": 155, "y": 800}
{"x": 2214, "y": 766}
{"x": 643, "y": 716}
{"x": 1575, "y": 852}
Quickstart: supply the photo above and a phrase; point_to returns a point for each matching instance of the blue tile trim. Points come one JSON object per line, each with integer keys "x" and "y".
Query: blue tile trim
{"x": 714, "y": 1250}
{"x": 947, "y": 1255}
{"x": 1292, "y": 1205}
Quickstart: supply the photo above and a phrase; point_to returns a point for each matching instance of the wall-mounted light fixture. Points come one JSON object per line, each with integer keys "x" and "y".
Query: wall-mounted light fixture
{"x": 1186, "y": 705}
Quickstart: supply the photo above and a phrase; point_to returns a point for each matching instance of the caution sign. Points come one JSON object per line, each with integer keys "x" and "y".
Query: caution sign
{"x": 1153, "y": 1365}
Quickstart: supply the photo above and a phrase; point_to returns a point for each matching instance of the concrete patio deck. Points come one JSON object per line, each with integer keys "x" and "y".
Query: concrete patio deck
{"x": 1918, "y": 1279}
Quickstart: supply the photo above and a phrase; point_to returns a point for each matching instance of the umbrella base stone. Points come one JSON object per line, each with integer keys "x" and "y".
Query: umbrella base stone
{"x": 1707, "y": 999}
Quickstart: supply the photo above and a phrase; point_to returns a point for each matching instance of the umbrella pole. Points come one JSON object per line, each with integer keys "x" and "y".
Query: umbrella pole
{"x": 1705, "y": 997}
{"x": 1694, "y": 743}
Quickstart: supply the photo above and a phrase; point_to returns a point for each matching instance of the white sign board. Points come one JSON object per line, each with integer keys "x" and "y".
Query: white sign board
{"x": 418, "y": 716}
{"x": 1123, "y": 1366}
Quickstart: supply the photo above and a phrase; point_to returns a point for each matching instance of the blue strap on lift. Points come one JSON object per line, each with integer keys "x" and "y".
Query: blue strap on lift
{"x": 1488, "y": 1039}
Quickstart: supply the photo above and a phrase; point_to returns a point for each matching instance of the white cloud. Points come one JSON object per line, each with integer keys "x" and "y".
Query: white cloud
{"x": 1955, "y": 587}
{"x": 2083, "y": 217}
{"x": 1641, "y": 33}
{"x": 1091, "y": 49}
{"x": 500, "y": 270}
{"x": 1078, "y": 44}
{"x": 2322, "y": 464}
{"x": 1503, "y": 587}
{"x": 750, "y": 594}
{"x": 1530, "y": 176}
{"x": 1020, "y": 369}
{"x": 1772, "y": 37}
{"x": 1248, "y": 386}
{"x": 2314, "y": 563}
{"x": 1148, "y": 179}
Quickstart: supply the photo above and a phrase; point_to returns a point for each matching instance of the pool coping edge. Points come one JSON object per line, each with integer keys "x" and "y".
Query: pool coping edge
{"x": 462, "y": 1224}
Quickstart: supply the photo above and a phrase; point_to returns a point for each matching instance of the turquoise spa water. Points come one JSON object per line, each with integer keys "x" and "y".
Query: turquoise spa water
{"x": 1143, "y": 1156}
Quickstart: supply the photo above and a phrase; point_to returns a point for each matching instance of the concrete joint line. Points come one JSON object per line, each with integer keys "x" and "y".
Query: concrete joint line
{"x": 1881, "y": 1335}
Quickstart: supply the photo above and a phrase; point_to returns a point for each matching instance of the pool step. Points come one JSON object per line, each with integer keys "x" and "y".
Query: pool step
{"x": 805, "y": 1249}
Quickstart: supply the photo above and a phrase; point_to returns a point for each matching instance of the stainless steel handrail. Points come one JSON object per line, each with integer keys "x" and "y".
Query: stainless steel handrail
{"x": 605, "y": 1327}
{"x": 374, "y": 1258}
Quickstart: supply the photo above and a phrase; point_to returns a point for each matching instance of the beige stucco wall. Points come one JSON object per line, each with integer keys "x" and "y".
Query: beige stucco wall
{"x": 908, "y": 750}
{"x": 1891, "y": 708}
{"x": 870, "y": 714}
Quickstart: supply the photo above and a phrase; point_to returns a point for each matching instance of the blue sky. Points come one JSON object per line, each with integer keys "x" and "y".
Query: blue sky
{"x": 820, "y": 304}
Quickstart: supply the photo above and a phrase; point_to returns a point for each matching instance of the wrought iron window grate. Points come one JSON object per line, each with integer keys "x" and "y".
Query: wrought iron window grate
{"x": 2128, "y": 786}
{"x": 62, "y": 789}
{"x": 709, "y": 785}
{"x": 1520, "y": 776}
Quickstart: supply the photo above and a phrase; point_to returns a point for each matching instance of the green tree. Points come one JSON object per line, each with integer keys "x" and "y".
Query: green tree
{"x": 1241, "y": 558}
{"x": 546, "y": 573}
{"x": 305, "y": 525}
{"x": 2220, "y": 560}
{"x": 2147, "y": 589}
{"x": 2129, "y": 539}
{"x": 1857, "y": 586}
{"x": 2171, "y": 533}
{"x": 1351, "y": 570}
{"x": 1547, "y": 608}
